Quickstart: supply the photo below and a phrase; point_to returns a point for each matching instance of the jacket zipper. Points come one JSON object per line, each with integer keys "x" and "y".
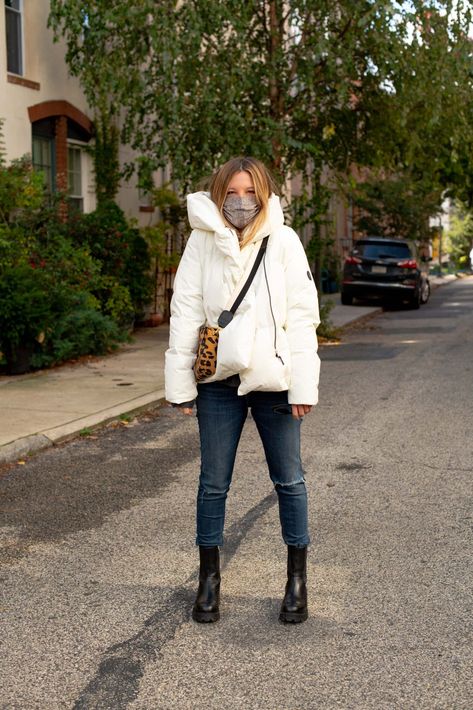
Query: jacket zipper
{"x": 271, "y": 308}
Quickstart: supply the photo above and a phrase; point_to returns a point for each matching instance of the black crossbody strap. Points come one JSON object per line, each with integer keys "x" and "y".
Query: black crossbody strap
{"x": 251, "y": 276}
{"x": 226, "y": 317}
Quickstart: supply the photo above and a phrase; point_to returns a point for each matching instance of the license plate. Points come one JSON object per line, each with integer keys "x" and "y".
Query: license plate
{"x": 378, "y": 269}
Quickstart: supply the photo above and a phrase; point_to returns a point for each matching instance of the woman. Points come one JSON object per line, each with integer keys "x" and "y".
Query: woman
{"x": 266, "y": 360}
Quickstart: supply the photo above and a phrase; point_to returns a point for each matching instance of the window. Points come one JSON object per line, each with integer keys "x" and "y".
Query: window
{"x": 58, "y": 145}
{"x": 145, "y": 186}
{"x": 43, "y": 159}
{"x": 14, "y": 41}
{"x": 74, "y": 177}
{"x": 144, "y": 197}
{"x": 380, "y": 250}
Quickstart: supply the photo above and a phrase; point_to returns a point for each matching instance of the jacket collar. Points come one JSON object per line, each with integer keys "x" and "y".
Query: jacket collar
{"x": 204, "y": 214}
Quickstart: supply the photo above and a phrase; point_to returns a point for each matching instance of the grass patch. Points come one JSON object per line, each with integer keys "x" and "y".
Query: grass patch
{"x": 326, "y": 332}
{"x": 125, "y": 418}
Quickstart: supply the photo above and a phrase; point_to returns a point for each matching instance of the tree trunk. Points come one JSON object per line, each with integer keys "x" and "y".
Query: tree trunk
{"x": 276, "y": 95}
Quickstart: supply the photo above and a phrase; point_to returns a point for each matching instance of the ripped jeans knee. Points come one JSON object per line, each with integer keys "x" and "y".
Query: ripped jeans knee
{"x": 292, "y": 497}
{"x": 295, "y": 483}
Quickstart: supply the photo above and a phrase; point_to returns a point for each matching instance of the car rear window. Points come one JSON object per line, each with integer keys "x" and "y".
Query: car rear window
{"x": 379, "y": 250}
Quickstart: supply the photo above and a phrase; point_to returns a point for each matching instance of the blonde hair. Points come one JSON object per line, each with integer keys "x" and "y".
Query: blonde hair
{"x": 263, "y": 182}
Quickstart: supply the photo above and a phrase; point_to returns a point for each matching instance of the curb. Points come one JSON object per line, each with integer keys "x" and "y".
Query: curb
{"x": 360, "y": 319}
{"x": 435, "y": 285}
{"x": 378, "y": 311}
{"x": 28, "y": 445}
{"x": 23, "y": 447}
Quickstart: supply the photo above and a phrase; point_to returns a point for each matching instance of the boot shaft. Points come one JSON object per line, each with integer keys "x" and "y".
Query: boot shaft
{"x": 206, "y": 606}
{"x": 209, "y": 562}
{"x": 294, "y": 605}
{"x": 297, "y": 562}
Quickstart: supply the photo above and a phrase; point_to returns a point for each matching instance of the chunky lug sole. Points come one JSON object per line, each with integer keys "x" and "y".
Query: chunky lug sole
{"x": 293, "y": 617}
{"x": 205, "y": 617}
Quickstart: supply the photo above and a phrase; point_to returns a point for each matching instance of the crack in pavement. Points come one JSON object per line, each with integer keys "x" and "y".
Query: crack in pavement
{"x": 116, "y": 682}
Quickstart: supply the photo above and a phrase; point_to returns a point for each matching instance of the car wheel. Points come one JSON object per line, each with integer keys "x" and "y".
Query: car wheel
{"x": 346, "y": 299}
{"x": 425, "y": 292}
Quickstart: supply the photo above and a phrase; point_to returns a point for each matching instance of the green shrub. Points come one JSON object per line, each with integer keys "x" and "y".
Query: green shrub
{"x": 25, "y": 307}
{"x": 66, "y": 288}
{"x": 118, "y": 304}
{"x": 21, "y": 194}
{"x": 326, "y": 328}
{"x": 50, "y": 320}
{"x": 120, "y": 249}
{"x": 50, "y": 310}
{"x": 82, "y": 330}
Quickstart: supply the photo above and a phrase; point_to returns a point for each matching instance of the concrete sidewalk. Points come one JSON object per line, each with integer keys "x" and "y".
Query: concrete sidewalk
{"x": 44, "y": 408}
{"x": 341, "y": 316}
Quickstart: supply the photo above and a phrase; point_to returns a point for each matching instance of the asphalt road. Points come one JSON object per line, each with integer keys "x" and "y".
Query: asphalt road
{"x": 99, "y": 567}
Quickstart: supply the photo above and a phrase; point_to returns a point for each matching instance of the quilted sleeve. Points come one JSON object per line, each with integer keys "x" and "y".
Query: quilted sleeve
{"x": 187, "y": 315}
{"x": 301, "y": 323}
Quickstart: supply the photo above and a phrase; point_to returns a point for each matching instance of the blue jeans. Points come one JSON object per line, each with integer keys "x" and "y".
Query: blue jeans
{"x": 221, "y": 414}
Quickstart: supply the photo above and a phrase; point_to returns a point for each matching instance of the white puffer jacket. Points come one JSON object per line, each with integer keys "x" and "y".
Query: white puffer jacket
{"x": 271, "y": 341}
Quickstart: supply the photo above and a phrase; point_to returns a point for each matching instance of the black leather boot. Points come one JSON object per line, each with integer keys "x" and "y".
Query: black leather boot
{"x": 294, "y": 605}
{"x": 205, "y": 609}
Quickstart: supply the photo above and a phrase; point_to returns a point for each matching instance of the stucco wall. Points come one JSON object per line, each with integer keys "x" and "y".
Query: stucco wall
{"x": 44, "y": 65}
{"x": 43, "y": 62}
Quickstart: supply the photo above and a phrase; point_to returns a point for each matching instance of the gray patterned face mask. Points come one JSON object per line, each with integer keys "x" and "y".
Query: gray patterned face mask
{"x": 240, "y": 211}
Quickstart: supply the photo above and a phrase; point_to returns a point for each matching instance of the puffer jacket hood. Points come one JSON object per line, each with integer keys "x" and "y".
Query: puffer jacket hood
{"x": 204, "y": 214}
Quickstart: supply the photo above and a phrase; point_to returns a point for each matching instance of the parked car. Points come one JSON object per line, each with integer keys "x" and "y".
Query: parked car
{"x": 391, "y": 269}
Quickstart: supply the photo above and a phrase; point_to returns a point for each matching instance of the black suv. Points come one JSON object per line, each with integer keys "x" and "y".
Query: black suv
{"x": 388, "y": 269}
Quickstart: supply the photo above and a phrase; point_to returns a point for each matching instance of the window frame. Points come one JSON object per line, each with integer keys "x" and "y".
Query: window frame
{"x": 21, "y": 57}
{"x": 74, "y": 199}
{"x": 50, "y": 185}
{"x": 144, "y": 198}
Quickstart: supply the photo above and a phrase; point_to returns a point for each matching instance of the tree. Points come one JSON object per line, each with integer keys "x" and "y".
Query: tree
{"x": 460, "y": 236}
{"x": 305, "y": 86}
{"x": 211, "y": 79}
{"x": 394, "y": 207}
{"x": 417, "y": 132}
{"x": 105, "y": 154}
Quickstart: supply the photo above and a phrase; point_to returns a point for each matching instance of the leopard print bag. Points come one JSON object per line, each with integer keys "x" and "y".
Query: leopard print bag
{"x": 206, "y": 361}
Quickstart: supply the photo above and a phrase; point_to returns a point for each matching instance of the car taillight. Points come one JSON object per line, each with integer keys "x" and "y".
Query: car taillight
{"x": 352, "y": 260}
{"x": 408, "y": 264}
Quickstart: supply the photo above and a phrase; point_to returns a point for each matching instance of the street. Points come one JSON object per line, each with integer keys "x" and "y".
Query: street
{"x": 99, "y": 566}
